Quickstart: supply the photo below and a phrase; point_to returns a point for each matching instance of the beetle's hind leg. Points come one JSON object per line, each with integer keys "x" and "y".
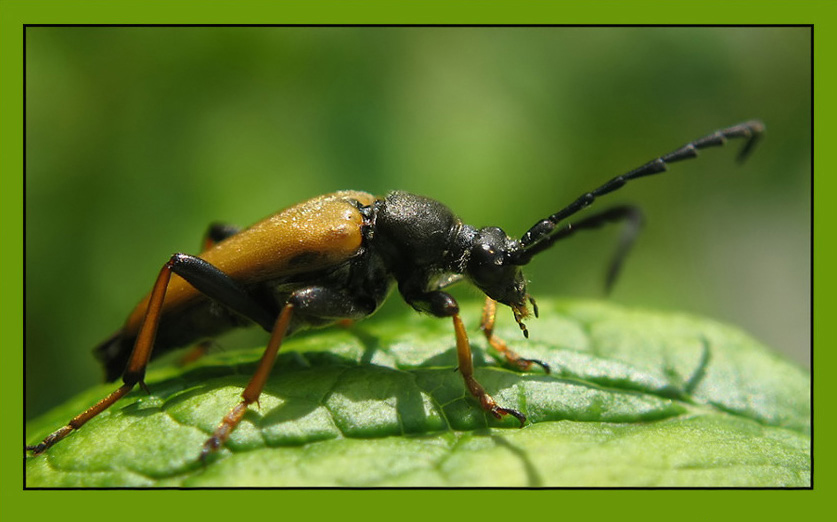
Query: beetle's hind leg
{"x": 195, "y": 353}
{"x": 207, "y": 279}
{"x": 489, "y": 314}
{"x": 216, "y": 233}
{"x": 135, "y": 371}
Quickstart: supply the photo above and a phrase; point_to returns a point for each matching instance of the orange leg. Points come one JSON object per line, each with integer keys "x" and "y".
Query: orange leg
{"x": 466, "y": 367}
{"x": 135, "y": 371}
{"x": 254, "y": 388}
{"x": 210, "y": 281}
{"x": 489, "y": 313}
{"x": 195, "y": 353}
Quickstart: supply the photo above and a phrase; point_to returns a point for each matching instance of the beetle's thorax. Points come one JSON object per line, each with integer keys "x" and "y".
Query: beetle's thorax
{"x": 424, "y": 242}
{"x": 418, "y": 233}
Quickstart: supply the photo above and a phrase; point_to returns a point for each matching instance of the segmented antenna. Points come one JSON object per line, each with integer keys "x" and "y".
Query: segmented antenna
{"x": 544, "y": 233}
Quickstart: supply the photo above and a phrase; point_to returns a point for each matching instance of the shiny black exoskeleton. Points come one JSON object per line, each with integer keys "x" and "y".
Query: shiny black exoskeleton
{"x": 337, "y": 257}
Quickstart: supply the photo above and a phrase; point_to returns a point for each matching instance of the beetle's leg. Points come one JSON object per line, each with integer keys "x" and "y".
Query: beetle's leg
{"x": 215, "y": 284}
{"x": 134, "y": 372}
{"x": 216, "y": 233}
{"x": 442, "y": 304}
{"x": 489, "y": 313}
{"x": 195, "y": 353}
{"x": 79, "y": 420}
{"x": 466, "y": 368}
{"x": 206, "y": 278}
{"x": 315, "y": 305}
{"x": 254, "y": 387}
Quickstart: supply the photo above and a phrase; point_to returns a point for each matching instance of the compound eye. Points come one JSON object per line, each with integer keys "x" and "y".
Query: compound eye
{"x": 488, "y": 258}
{"x": 487, "y": 255}
{"x": 487, "y": 275}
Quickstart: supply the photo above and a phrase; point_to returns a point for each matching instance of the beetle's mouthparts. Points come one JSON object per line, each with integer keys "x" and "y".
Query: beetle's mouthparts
{"x": 521, "y": 311}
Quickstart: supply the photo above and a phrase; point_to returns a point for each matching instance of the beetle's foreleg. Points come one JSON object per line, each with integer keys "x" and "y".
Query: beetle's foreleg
{"x": 442, "y": 304}
{"x": 466, "y": 368}
{"x": 489, "y": 313}
{"x": 254, "y": 387}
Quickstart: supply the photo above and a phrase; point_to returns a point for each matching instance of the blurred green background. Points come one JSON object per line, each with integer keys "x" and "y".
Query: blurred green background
{"x": 137, "y": 138}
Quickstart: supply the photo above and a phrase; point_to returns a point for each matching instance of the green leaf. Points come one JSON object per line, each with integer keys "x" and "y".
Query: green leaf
{"x": 635, "y": 398}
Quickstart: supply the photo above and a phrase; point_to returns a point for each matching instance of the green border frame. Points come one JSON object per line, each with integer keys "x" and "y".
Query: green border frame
{"x": 476, "y": 505}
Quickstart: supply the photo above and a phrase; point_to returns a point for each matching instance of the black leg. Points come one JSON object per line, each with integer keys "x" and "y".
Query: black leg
{"x": 218, "y": 232}
{"x": 442, "y": 304}
{"x": 320, "y": 304}
{"x": 217, "y": 285}
{"x": 312, "y": 305}
{"x": 205, "y": 278}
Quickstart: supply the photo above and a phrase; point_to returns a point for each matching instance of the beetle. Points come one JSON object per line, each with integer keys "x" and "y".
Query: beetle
{"x": 337, "y": 257}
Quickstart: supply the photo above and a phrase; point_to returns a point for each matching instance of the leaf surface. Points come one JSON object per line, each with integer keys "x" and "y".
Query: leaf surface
{"x": 635, "y": 398}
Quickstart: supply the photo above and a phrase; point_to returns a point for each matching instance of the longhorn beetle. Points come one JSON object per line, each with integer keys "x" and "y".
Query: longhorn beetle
{"x": 336, "y": 257}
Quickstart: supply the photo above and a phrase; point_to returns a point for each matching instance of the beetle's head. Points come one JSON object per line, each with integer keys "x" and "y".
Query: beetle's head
{"x": 492, "y": 268}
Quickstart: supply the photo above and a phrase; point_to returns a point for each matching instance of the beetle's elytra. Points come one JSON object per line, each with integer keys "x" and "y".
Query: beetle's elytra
{"x": 337, "y": 257}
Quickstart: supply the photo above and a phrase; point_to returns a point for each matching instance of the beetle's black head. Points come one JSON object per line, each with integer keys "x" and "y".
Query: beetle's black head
{"x": 492, "y": 268}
